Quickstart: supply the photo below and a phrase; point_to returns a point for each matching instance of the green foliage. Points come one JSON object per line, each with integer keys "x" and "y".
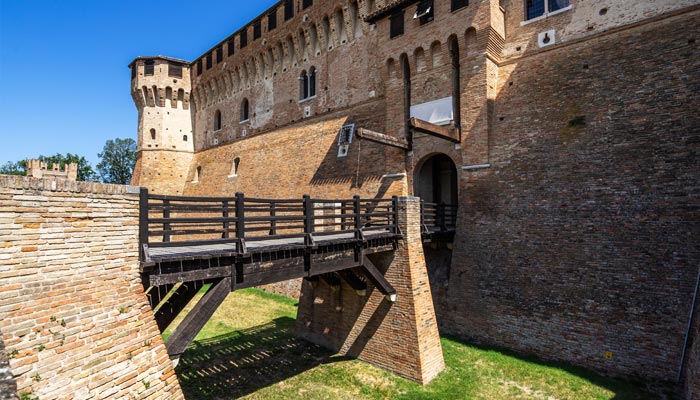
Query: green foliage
{"x": 14, "y": 168}
{"x": 117, "y": 161}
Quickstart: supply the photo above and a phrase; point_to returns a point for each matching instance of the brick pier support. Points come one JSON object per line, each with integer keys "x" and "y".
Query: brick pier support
{"x": 401, "y": 337}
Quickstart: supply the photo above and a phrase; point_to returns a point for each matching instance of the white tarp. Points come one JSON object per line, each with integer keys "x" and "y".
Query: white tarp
{"x": 438, "y": 112}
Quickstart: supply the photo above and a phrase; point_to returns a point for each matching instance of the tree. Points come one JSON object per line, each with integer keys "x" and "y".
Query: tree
{"x": 85, "y": 172}
{"x": 117, "y": 161}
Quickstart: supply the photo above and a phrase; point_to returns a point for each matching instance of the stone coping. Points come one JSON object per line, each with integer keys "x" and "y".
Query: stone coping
{"x": 62, "y": 185}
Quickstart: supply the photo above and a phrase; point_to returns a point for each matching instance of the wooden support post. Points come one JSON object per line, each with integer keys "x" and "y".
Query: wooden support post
{"x": 240, "y": 222}
{"x": 143, "y": 222}
{"x": 167, "y": 313}
{"x": 195, "y": 319}
{"x": 440, "y": 214}
{"x": 225, "y": 215}
{"x": 357, "y": 210}
{"x": 378, "y": 280}
{"x": 308, "y": 215}
{"x": 395, "y": 209}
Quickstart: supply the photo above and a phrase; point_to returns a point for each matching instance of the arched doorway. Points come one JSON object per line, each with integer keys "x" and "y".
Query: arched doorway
{"x": 436, "y": 180}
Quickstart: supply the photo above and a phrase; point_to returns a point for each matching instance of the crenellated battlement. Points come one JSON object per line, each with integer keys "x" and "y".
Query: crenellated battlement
{"x": 40, "y": 169}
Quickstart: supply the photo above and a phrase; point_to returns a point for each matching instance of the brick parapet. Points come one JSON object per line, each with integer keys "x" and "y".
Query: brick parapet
{"x": 73, "y": 313}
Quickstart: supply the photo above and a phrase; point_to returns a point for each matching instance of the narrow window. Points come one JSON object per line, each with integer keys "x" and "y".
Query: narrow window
{"x": 245, "y": 110}
{"x": 453, "y": 46}
{"x": 243, "y": 38}
{"x": 174, "y": 70}
{"x": 153, "y": 134}
{"x": 197, "y": 174}
{"x": 199, "y": 67}
{"x": 149, "y": 67}
{"x": 396, "y": 24}
{"x": 406, "y": 71}
{"x": 184, "y": 138}
{"x": 306, "y": 4}
{"x": 288, "y": 9}
{"x": 219, "y": 54}
{"x": 133, "y": 71}
{"x": 217, "y": 120}
{"x": 231, "y": 46}
{"x": 234, "y": 167}
{"x": 272, "y": 20}
{"x": 312, "y": 82}
{"x": 303, "y": 86}
{"x": 209, "y": 58}
{"x": 425, "y": 11}
{"x": 257, "y": 29}
{"x": 457, "y": 4}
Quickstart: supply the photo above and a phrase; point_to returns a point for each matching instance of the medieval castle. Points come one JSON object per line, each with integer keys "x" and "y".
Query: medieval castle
{"x": 566, "y": 133}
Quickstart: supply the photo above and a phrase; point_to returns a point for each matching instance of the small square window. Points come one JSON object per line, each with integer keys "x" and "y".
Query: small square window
{"x": 174, "y": 70}
{"x": 288, "y": 9}
{"x": 149, "y": 67}
{"x": 257, "y": 29}
{"x": 539, "y": 8}
{"x": 231, "y": 46}
{"x": 272, "y": 20}
{"x": 396, "y": 24}
{"x": 243, "y": 38}
{"x": 457, "y": 4}
{"x": 425, "y": 11}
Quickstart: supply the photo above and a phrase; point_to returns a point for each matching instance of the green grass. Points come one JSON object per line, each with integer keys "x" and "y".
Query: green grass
{"x": 248, "y": 350}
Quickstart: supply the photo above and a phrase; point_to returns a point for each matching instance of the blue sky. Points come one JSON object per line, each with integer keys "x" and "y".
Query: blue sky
{"x": 64, "y": 81}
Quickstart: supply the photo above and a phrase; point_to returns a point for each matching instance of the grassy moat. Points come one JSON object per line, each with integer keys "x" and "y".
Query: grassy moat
{"x": 248, "y": 350}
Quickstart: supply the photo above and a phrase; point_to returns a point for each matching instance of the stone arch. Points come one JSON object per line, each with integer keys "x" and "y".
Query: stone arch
{"x": 270, "y": 61}
{"x": 314, "y": 41}
{"x": 436, "y": 54}
{"x": 355, "y": 19}
{"x": 391, "y": 68}
{"x": 419, "y": 60}
{"x": 301, "y": 41}
{"x": 279, "y": 57}
{"x": 339, "y": 27}
{"x": 291, "y": 58}
{"x": 470, "y": 41}
{"x": 435, "y": 179}
{"x": 327, "y": 41}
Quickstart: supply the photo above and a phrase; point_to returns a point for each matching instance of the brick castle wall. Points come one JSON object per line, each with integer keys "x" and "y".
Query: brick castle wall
{"x": 582, "y": 238}
{"x": 73, "y": 314}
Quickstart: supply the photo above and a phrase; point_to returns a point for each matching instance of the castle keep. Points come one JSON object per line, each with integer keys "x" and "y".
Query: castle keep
{"x": 564, "y": 133}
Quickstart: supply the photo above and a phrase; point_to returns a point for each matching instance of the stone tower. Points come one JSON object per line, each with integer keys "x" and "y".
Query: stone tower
{"x": 160, "y": 87}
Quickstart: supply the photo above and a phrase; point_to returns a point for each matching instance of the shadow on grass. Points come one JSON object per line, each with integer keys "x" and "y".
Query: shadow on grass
{"x": 623, "y": 389}
{"x": 241, "y": 362}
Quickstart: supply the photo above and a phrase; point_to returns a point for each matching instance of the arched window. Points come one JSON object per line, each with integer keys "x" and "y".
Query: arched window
{"x": 153, "y": 134}
{"x": 245, "y": 110}
{"x": 307, "y": 84}
{"x": 217, "y": 120}
{"x": 234, "y": 167}
{"x": 184, "y": 138}
{"x": 197, "y": 174}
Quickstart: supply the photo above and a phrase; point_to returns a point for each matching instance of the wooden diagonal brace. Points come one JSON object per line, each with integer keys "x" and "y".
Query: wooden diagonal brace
{"x": 378, "y": 280}
{"x": 354, "y": 281}
{"x": 438, "y": 131}
{"x": 381, "y": 138}
{"x": 167, "y": 313}
{"x": 195, "y": 319}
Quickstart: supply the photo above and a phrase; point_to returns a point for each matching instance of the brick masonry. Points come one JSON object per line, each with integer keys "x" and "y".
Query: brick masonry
{"x": 73, "y": 314}
{"x": 401, "y": 337}
{"x": 578, "y": 240}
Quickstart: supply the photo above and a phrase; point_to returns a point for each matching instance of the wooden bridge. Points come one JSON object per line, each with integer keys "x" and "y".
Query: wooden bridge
{"x": 239, "y": 242}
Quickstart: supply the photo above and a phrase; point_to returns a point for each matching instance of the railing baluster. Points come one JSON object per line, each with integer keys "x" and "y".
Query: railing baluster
{"x": 273, "y": 222}
{"x": 225, "y": 215}
{"x": 308, "y": 215}
{"x": 166, "y": 224}
{"x": 357, "y": 209}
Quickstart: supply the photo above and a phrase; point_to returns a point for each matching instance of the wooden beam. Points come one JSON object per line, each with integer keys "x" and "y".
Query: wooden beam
{"x": 331, "y": 279}
{"x": 378, "y": 280}
{"x": 381, "y": 138}
{"x": 195, "y": 319}
{"x": 189, "y": 276}
{"x": 167, "y": 313}
{"x": 438, "y": 131}
{"x": 156, "y": 294}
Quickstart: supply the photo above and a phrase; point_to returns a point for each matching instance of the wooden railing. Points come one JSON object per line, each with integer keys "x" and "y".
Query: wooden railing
{"x": 437, "y": 217}
{"x": 168, "y": 221}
